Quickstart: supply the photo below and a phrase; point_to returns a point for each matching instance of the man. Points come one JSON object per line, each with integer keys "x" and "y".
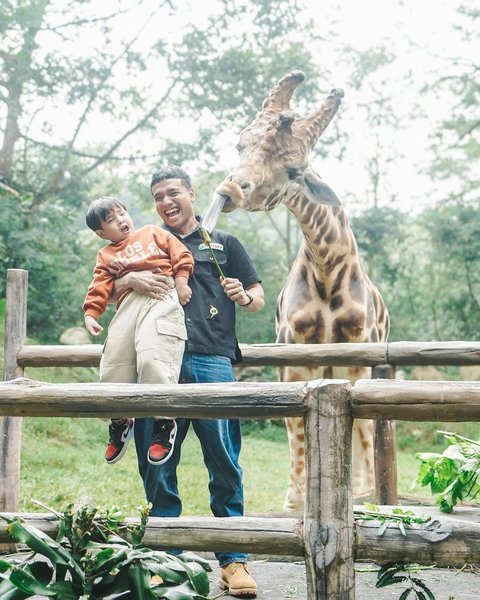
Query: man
{"x": 210, "y": 349}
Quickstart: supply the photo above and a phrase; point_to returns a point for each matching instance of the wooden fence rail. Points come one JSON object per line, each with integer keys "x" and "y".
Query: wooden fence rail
{"x": 446, "y": 542}
{"x": 454, "y": 401}
{"x": 327, "y": 536}
{"x": 331, "y": 541}
{"x": 282, "y": 355}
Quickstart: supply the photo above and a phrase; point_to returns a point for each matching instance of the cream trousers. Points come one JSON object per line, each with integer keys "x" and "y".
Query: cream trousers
{"x": 145, "y": 342}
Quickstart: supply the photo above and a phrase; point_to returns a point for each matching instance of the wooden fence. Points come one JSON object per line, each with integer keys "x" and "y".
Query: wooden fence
{"x": 327, "y": 536}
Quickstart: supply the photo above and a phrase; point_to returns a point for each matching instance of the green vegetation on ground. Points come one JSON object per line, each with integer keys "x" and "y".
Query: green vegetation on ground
{"x": 62, "y": 459}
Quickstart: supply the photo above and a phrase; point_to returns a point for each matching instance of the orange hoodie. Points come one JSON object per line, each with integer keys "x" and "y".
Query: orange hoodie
{"x": 149, "y": 247}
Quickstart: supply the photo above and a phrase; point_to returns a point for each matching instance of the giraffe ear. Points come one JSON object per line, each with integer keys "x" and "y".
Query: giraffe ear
{"x": 317, "y": 190}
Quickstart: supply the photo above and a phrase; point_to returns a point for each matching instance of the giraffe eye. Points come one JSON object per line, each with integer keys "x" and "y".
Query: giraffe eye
{"x": 293, "y": 173}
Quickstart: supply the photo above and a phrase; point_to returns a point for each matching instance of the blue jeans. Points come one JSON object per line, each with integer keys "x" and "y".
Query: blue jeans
{"x": 220, "y": 440}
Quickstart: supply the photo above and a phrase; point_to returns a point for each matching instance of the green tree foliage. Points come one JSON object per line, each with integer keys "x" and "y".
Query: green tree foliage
{"x": 425, "y": 262}
{"x": 65, "y": 67}
{"x": 425, "y": 267}
{"x": 454, "y": 235}
{"x": 48, "y": 171}
{"x": 213, "y": 73}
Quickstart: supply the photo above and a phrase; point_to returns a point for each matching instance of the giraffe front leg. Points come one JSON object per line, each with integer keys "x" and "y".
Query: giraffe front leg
{"x": 363, "y": 471}
{"x": 295, "y": 497}
{"x": 363, "y": 479}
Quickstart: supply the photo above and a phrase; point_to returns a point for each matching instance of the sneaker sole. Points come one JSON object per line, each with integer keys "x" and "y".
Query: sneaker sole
{"x": 124, "y": 449}
{"x": 243, "y": 593}
{"x": 164, "y": 460}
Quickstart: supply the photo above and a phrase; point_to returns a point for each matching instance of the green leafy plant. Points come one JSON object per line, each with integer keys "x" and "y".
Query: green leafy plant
{"x": 454, "y": 474}
{"x": 397, "y": 573}
{"x": 398, "y": 517}
{"x": 97, "y": 555}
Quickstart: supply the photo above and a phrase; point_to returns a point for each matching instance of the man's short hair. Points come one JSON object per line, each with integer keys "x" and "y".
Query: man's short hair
{"x": 99, "y": 210}
{"x": 171, "y": 172}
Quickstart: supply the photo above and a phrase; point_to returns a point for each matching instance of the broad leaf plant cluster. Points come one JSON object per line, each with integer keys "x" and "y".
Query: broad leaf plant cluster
{"x": 97, "y": 555}
{"x": 454, "y": 474}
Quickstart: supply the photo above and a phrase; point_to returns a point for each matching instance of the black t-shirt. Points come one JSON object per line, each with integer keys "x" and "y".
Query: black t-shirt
{"x": 210, "y": 314}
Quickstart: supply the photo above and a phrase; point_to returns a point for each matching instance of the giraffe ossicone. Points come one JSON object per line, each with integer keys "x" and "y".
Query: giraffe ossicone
{"x": 328, "y": 296}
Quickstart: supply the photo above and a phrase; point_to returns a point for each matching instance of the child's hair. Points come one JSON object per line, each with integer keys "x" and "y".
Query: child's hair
{"x": 99, "y": 210}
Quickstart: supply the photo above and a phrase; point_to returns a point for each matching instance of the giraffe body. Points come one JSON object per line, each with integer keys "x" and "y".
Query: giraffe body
{"x": 328, "y": 297}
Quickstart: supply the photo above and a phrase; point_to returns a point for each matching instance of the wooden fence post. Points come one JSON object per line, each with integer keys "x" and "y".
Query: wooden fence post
{"x": 385, "y": 450}
{"x": 328, "y": 521}
{"x": 11, "y": 427}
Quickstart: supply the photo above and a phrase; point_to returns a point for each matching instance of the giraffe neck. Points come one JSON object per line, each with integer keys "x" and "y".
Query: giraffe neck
{"x": 329, "y": 244}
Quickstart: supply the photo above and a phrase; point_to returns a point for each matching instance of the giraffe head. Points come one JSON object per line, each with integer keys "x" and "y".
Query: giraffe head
{"x": 274, "y": 151}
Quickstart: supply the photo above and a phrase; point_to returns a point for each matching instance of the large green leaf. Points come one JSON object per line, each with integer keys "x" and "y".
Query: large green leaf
{"x": 199, "y": 578}
{"x": 27, "y": 583}
{"x": 64, "y": 590}
{"x": 115, "y": 562}
{"x": 41, "y": 543}
{"x": 189, "y": 557}
{"x": 5, "y": 566}
{"x": 141, "y": 582}
{"x": 112, "y": 585}
{"x": 179, "y": 592}
{"x": 168, "y": 575}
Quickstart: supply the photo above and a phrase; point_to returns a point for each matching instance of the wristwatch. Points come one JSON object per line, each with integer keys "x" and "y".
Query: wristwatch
{"x": 250, "y": 299}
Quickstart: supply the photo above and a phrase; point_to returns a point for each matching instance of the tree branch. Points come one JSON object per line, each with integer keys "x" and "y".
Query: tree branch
{"x": 106, "y": 18}
{"x": 106, "y": 155}
{"x": 55, "y": 182}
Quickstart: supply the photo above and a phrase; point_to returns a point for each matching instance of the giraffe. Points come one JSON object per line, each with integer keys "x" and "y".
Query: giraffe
{"x": 328, "y": 297}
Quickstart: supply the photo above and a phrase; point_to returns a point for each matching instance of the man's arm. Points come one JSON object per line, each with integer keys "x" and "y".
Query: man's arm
{"x": 147, "y": 283}
{"x": 237, "y": 293}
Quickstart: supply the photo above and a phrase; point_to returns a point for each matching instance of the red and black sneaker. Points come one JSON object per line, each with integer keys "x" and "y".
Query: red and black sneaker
{"x": 120, "y": 432}
{"x": 163, "y": 440}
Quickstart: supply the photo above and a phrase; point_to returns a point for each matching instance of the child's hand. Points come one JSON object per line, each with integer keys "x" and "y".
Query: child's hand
{"x": 92, "y": 326}
{"x": 184, "y": 294}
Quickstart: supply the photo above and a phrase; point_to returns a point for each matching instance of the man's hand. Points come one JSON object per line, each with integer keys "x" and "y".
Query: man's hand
{"x": 92, "y": 326}
{"x": 236, "y": 292}
{"x": 147, "y": 283}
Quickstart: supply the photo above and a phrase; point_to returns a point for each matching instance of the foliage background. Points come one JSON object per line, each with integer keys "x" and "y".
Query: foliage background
{"x": 94, "y": 96}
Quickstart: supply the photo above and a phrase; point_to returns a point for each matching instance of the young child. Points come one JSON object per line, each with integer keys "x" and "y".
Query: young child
{"x": 146, "y": 337}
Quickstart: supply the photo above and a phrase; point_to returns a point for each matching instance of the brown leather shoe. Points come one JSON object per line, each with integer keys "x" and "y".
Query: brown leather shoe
{"x": 236, "y": 579}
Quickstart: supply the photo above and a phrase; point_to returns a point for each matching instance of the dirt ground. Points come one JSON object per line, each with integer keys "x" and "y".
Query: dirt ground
{"x": 278, "y": 580}
{"x": 286, "y": 581}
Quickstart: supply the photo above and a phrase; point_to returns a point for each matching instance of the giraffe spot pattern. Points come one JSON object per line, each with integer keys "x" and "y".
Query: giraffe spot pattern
{"x": 336, "y": 302}
{"x": 349, "y": 326}
{"x": 356, "y": 286}
{"x": 328, "y": 296}
{"x": 338, "y": 280}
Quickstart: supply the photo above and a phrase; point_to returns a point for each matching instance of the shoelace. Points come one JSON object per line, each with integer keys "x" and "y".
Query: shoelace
{"x": 237, "y": 566}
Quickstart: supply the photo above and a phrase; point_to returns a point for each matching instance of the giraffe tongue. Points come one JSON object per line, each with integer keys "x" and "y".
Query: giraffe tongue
{"x": 213, "y": 212}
